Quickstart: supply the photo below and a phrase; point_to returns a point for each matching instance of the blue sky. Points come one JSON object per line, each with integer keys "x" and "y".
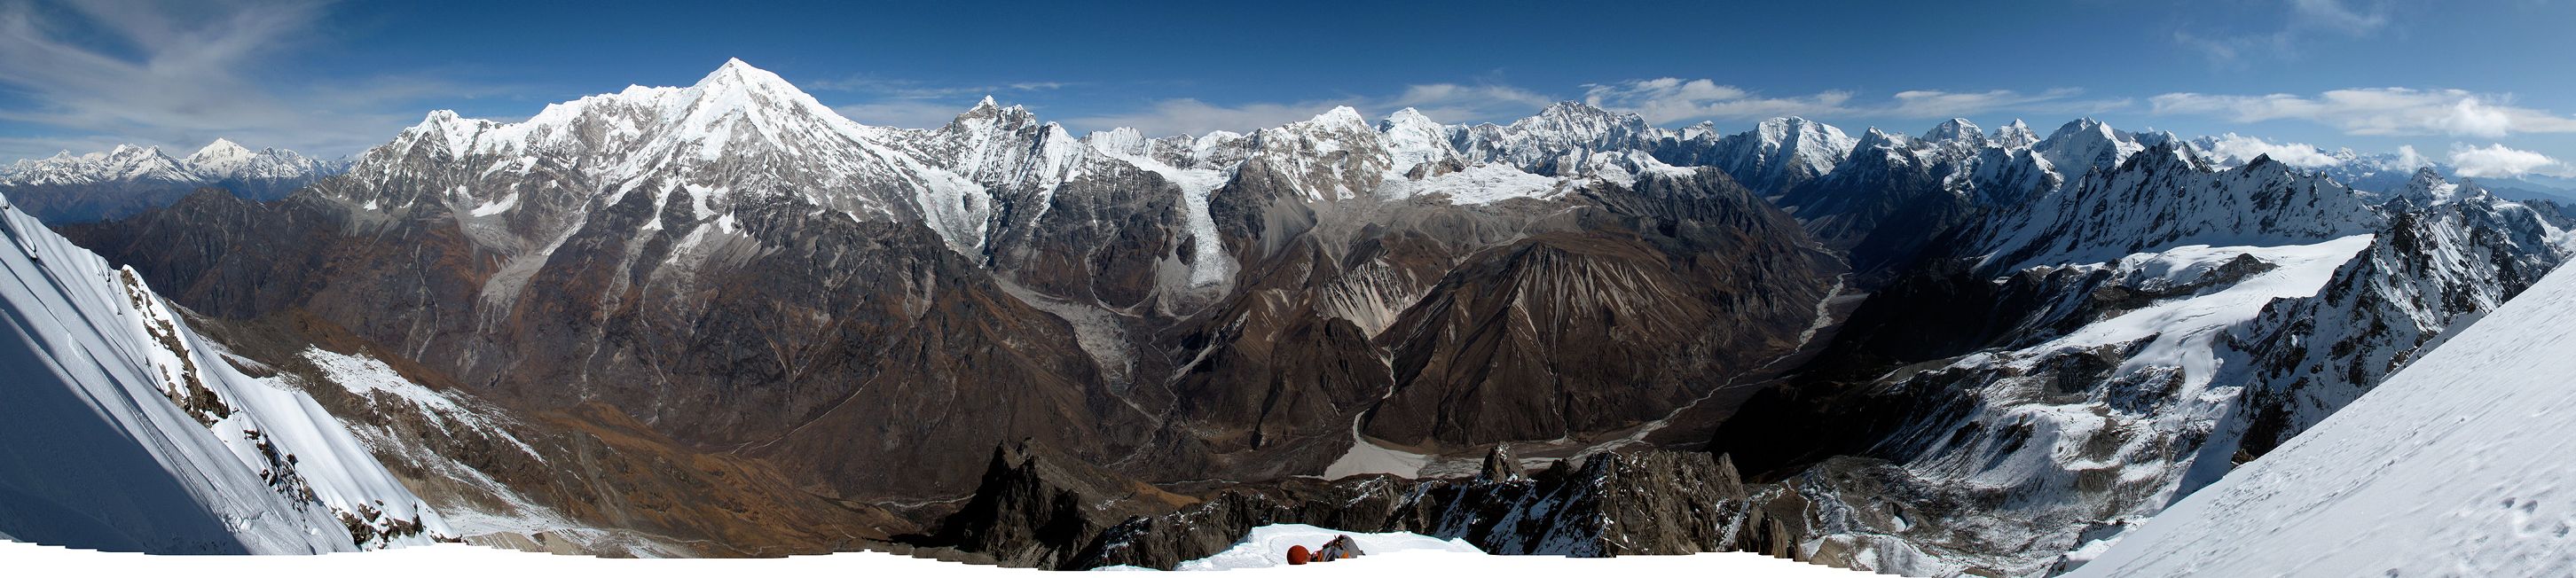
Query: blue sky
{"x": 2492, "y": 81}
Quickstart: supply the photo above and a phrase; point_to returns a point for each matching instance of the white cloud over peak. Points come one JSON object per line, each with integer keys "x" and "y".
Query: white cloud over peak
{"x": 895, "y": 88}
{"x": 2376, "y": 111}
{"x": 907, "y": 113}
{"x": 1444, "y": 102}
{"x": 2244, "y": 148}
{"x": 1938, "y": 104}
{"x": 2498, "y": 161}
{"x": 1665, "y": 100}
{"x": 2409, "y": 159}
{"x": 1192, "y": 116}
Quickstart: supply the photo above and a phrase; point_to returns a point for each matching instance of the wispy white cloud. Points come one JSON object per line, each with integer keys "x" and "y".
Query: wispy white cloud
{"x": 1936, "y": 104}
{"x": 2244, "y": 148}
{"x": 895, "y": 88}
{"x": 184, "y": 73}
{"x": 2334, "y": 15}
{"x": 919, "y": 104}
{"x": 1444, "y": 102}
{"x": 1192, "y": 116}
{"x": 2377, "y": 111}
{"x": 914, "y": 113}
{"x": 2302, "y": 21}
{"x": 1661, "y": 101}
{"x": 1465, "y": 102}
{"x": 2498, "y": 161}
{"x": 2409, "y": 159}
{"x": 1665, "y": 100}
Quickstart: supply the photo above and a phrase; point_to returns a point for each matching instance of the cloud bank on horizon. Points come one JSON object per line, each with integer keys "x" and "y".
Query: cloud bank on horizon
{"x": 332, "y": 79}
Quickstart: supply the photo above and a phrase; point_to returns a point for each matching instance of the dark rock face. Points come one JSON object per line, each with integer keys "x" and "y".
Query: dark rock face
{"x": 1036, "y": 508}
{"x": 1603, "y": 326}
{"x": 2433, "y": 271}
{"x": 1613, "y": 504}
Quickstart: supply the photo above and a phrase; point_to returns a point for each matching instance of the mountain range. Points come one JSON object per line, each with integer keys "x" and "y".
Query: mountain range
{"x": 127, "y": 179}
{"x": 723, "y": 319}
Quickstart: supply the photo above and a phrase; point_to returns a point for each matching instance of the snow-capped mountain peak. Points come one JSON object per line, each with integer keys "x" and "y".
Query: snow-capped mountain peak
{"x": 1794, "y": 140}
{"x": 215, "y": 163}
{"x": 1340, "y": 117}
{"x": 1415, "y": 139}
{"x": 2085, "y": 144}
{"x": 2015, "y": 135}
{"x": 1956, "y": 130}
{"x": 220, "y": 151}
{"x": 2427, "y": 188}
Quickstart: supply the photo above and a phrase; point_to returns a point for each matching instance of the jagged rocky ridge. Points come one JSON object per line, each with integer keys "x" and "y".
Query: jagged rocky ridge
{"x": 67, "y": 188}
{"x": 1035, "y": 509}
{"x": 743, "y": 268}
{"x": 2057, "y": 329}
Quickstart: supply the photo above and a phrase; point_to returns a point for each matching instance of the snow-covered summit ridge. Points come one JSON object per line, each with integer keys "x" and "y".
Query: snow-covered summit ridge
{"x": 740, "y": 128}
{"x": 217, "y": 162}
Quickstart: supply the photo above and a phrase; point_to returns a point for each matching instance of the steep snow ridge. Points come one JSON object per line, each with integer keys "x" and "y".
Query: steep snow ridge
{"x": 270, "y": 469}
{"x": 2084, "y": 145}
{"x": 739, "y": 129}
{"x": 369, "y": 377}
{"x": 2015, "y": 135}
{"x": 2182, "y": 333}
{"x": 2169, "y": 197}
{"x": 1414, "y": 140}
{"x": 1557, "y": 139}
{"x": 1332, "y": 157}
{"x": 1777, "y": 155}
{"x": 1956, "y": 131}
{"x": 2460, "y": 464}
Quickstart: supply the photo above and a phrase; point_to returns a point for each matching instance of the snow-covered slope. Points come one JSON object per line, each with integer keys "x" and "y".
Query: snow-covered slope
{"x": 219, "y": 161}
{"x": 114, "y": 183}
{"x": 1268, "y": 546}
{"x": 2085, "y": 145}
{"x": 129, "y": 432}
{"x": 2458, "y": 465}
{"x": 2166, "y": 196}
{"x": 2154, "y": 325}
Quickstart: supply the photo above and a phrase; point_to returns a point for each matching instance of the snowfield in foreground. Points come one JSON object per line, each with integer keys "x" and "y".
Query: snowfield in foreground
{"x": 1268, "y": 546}
{"x": 451, "y": 560}
{"x": 1409, "y": 554}
{"x": 2463, "y": 464}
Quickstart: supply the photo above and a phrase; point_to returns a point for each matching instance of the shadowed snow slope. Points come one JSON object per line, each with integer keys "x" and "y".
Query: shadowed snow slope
{"x": 2458, "y": 465}
{"x": 126, "y": 432}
